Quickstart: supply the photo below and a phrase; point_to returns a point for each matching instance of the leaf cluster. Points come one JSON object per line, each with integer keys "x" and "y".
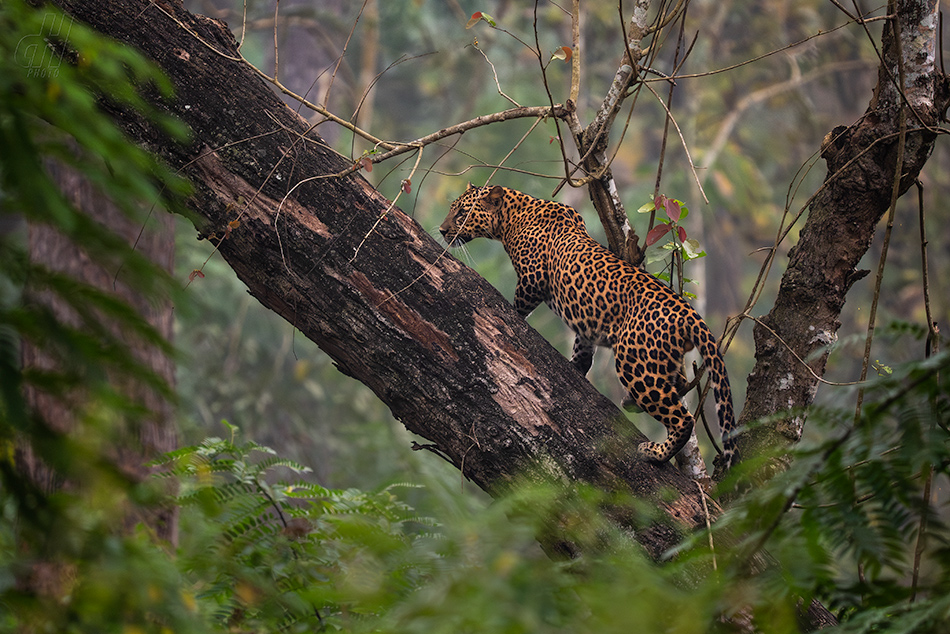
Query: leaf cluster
{"x": 855, "y": 521}
{"x": 263, "y": 553}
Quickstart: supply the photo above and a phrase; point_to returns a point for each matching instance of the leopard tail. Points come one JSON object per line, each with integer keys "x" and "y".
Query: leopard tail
{"x": 708, "y": 348}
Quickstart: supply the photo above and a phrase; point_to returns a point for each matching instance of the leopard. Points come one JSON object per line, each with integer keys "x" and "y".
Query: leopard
{"x": 606, "y": 301}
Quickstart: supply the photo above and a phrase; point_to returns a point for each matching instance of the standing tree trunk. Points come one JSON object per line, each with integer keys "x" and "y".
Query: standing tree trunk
{"x": 155, "y": 433}
{"x": 793, "y": 340}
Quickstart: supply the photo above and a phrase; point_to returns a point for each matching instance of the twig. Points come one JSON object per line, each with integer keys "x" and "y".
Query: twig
{"x": 522, "y": 112}
{"x": 666, "y": 122}
{"x": 895, "y": 194}
{"x": 933, "y": 346}
{"x": 396, "y": 148}
{"x": 712, "y": 547}
{"x": 573, "y": 123}
{"x": 276, "y": 57}
{"x": 495, "y": 75}
{"x": 243, "y": 25}
{"x": 726, "y": 69}
{"x": 339, "y": 60}
{"x": 679, "y": 132}
{"x": 797, "y": 357}
{"x": 514, "y": 148}
{"x": 576, "y": 48}
{"x": 386, "y": 211}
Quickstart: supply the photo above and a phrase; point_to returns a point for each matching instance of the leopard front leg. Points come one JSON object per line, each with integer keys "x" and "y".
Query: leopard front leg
{"x": 527, "y": 298}
{"x": 583, "y": 354}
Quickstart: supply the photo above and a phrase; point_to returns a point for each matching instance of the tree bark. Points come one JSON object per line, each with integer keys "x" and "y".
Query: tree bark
{"x": 155, "y": 433}
{"x": 438, "y": 344}
{"x": 793, "y": 340}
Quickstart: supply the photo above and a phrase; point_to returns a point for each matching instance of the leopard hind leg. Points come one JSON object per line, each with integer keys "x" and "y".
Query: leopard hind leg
{"x": 656, "y": 393}
{"x": 679, "y": 425}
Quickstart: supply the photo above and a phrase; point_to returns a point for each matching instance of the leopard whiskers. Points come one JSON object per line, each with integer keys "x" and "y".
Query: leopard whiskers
{"x": 436, "y": 235}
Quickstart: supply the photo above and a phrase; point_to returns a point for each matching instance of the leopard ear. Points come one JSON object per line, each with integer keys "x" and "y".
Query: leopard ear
{"x": 495, "y": 196}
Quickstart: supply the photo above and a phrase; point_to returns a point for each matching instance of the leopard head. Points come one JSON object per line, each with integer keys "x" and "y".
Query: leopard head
{"x": 475, "y": 214}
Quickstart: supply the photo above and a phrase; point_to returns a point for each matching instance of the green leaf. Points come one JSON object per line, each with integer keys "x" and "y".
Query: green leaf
{"x": 692, "y": 249}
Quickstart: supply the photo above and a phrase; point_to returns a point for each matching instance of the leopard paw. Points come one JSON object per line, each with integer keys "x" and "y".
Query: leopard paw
{"x": 651, "y": 452}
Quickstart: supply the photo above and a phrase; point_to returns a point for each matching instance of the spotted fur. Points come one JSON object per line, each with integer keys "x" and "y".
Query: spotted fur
{"x": 606, "y": 302}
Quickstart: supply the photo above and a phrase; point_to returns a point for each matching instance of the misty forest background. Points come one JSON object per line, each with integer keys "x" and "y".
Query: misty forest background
{"x": 410, "y": 68}
{"x": 303, "y": 506}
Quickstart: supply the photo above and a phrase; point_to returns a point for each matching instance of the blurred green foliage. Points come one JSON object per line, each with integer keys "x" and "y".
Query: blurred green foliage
{"x": 64, "y": 566}
{"x": 262, "y": 553}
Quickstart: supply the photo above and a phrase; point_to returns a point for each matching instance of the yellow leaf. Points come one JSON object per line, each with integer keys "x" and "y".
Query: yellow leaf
{"x": 725, "y": 186}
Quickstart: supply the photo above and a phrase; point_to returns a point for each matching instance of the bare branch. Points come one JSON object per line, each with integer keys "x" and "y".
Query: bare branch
{"x": 522, "y": 112}
{"x": 495, "y": 75}
{"x": 764, "y": 94}
{"x": 679, "y": 132}
{"x": 576, "y": 46}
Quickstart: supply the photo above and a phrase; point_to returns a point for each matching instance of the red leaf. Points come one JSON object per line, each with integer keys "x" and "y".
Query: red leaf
{"x": 673, "y": 210}
{"x": 478, "y": 15}
{"x": 682, "y": 233}
{"x": 475, "y": 18}
{"x": 656, "y": 233}
{"x": 406, "y": 185}
{"x": 366, "y": 163}
{"x": 195, "y": 273}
